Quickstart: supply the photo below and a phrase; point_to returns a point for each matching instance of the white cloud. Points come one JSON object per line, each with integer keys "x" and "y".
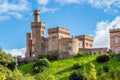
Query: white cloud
{"x": 45, "y": 9}
{"x": 107, "y": 5}
{"x": 14, "y": 8}
{"x": 42, "y": 2}
{"x": 68, "y": 1}
{"x": 102, "y": 37}
{"x": 16, "y": 52}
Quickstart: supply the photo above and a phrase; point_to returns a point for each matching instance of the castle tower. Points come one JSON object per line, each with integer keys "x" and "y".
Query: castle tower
{"x": 29, "y": 44}
{"x": 115, "y": 40}
{"x": 38, "y": 30}
{"x": 36, "y": 38}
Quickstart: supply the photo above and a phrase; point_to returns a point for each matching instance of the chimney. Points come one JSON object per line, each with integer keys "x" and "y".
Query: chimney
{"x": 36, "y": 15}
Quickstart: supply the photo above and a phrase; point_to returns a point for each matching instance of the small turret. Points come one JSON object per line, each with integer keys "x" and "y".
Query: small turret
{"x": 36, "y": 15}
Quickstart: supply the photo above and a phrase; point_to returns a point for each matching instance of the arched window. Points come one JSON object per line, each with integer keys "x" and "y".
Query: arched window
{"x": 116, "y": 39}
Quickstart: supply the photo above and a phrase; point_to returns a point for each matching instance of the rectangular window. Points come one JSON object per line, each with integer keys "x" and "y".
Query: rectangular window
{"x": 43, "y": 32}
{"x": 70, "y": 44}
{"x": 116, "y": 50}
{"x": 116, "y": 39}
{"x": 33, "y": 49}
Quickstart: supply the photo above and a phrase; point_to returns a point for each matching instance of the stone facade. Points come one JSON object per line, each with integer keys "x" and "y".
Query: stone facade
{"x": 58, "y": 42}
{"x": 115, "y": 40}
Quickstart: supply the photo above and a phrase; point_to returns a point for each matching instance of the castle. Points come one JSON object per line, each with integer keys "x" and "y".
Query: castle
{"x": 59, "y": 41}
{"x": 115, "y": 40}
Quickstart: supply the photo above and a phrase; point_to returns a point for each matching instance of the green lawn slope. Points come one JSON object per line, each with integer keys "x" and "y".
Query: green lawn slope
{"x": 61, "y": 69}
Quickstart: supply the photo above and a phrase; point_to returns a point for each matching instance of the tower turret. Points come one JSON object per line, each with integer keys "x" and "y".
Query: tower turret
{"x": 36, "y": 15}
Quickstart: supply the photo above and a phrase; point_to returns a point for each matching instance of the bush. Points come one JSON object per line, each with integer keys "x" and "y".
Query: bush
{"x": 5, "y": 59}
{"x": 76, "y": 66}
{"x": 2, "y": 76}
{"x": 112, "y": 55}
{"x": 52, "y": 56}
{"x": 102, "y": 70}
{"x": 79, "y": 54}
{"x": 92, "y": 72}
{"x": 41, "y": 65}
{"x": 76, "y": 76}
{"x": 106, "y": 69}
{"x": 11, "y": 65}
{"x": 49, "y": 56}
{"x": 118, "y": 57}
{"x": 39, "y": 77}
{"x": 102, "y": 58}
{"x": 51, "y": 77}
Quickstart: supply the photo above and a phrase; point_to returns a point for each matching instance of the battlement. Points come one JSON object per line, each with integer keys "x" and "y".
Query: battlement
{"x": 29, "y": 36}
{"x": 114, "y": 30}
{"x": 58, "y": 30}
{"x": 82, "y": 37}
{"x": 38, "y": 25}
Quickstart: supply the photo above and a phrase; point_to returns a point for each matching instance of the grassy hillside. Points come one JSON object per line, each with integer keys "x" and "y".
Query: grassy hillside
{"x": 61, "y": 69}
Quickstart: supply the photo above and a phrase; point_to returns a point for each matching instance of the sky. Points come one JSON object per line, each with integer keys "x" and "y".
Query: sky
{"x": 91, "y": 17}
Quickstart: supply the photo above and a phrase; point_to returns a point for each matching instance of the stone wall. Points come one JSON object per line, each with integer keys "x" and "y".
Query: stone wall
{"x": 95, "y": 50}
{"x": 115, "y": 40}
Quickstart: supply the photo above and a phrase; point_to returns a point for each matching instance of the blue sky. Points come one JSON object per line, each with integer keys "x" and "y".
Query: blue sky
{"x": 92, "y": 17}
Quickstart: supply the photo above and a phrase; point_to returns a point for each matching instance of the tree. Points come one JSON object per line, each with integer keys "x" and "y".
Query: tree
{"x": 76, "y": 76}
{"x": 41, "y": 65}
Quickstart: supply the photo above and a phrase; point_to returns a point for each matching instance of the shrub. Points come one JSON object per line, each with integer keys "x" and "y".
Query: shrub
{"x": 76, "y": 76}
{"x": 52, "y": 56}
{"x": 2, "y": 76}
{"x": 39, "y": 77}
{"x": 106, "y": 69}
{"x": 51, "y": 77}
{"x": 76, "y": 66}
{"x": 102, "y": 58}
{"x": 92, "y": 72}
{"x": 118, "y": 57}
{"x": 79, "y": 54}
{"x": 18, "y": 75}
{"x": 5, "y": 59}
{"x": 118, "y": 74}
{"x": 112, "y": 55}
{"x": 11, "y": 65}
{"x": 112, "y": 75}
{"x": 49, "y": 56}
{"x": 103, "y": 70}
{"x": 41, "y": 65}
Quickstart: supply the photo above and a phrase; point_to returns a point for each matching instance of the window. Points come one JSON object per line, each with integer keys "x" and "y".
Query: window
{"x": 70, "y": 44}
{"x": 116, "y": 50}
{"x": 32, "y": 48}
{"x": 43, "y": 32}
{"x": 69, "y": 51}
{"x": 91, "y": 45}
{"x": 87, "y": 44}
{"x": 116, "y": 39}
{"x": 79, "y": 45}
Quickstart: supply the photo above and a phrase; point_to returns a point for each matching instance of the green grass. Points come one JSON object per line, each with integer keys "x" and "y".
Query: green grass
{"x": 61, "y": 69}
